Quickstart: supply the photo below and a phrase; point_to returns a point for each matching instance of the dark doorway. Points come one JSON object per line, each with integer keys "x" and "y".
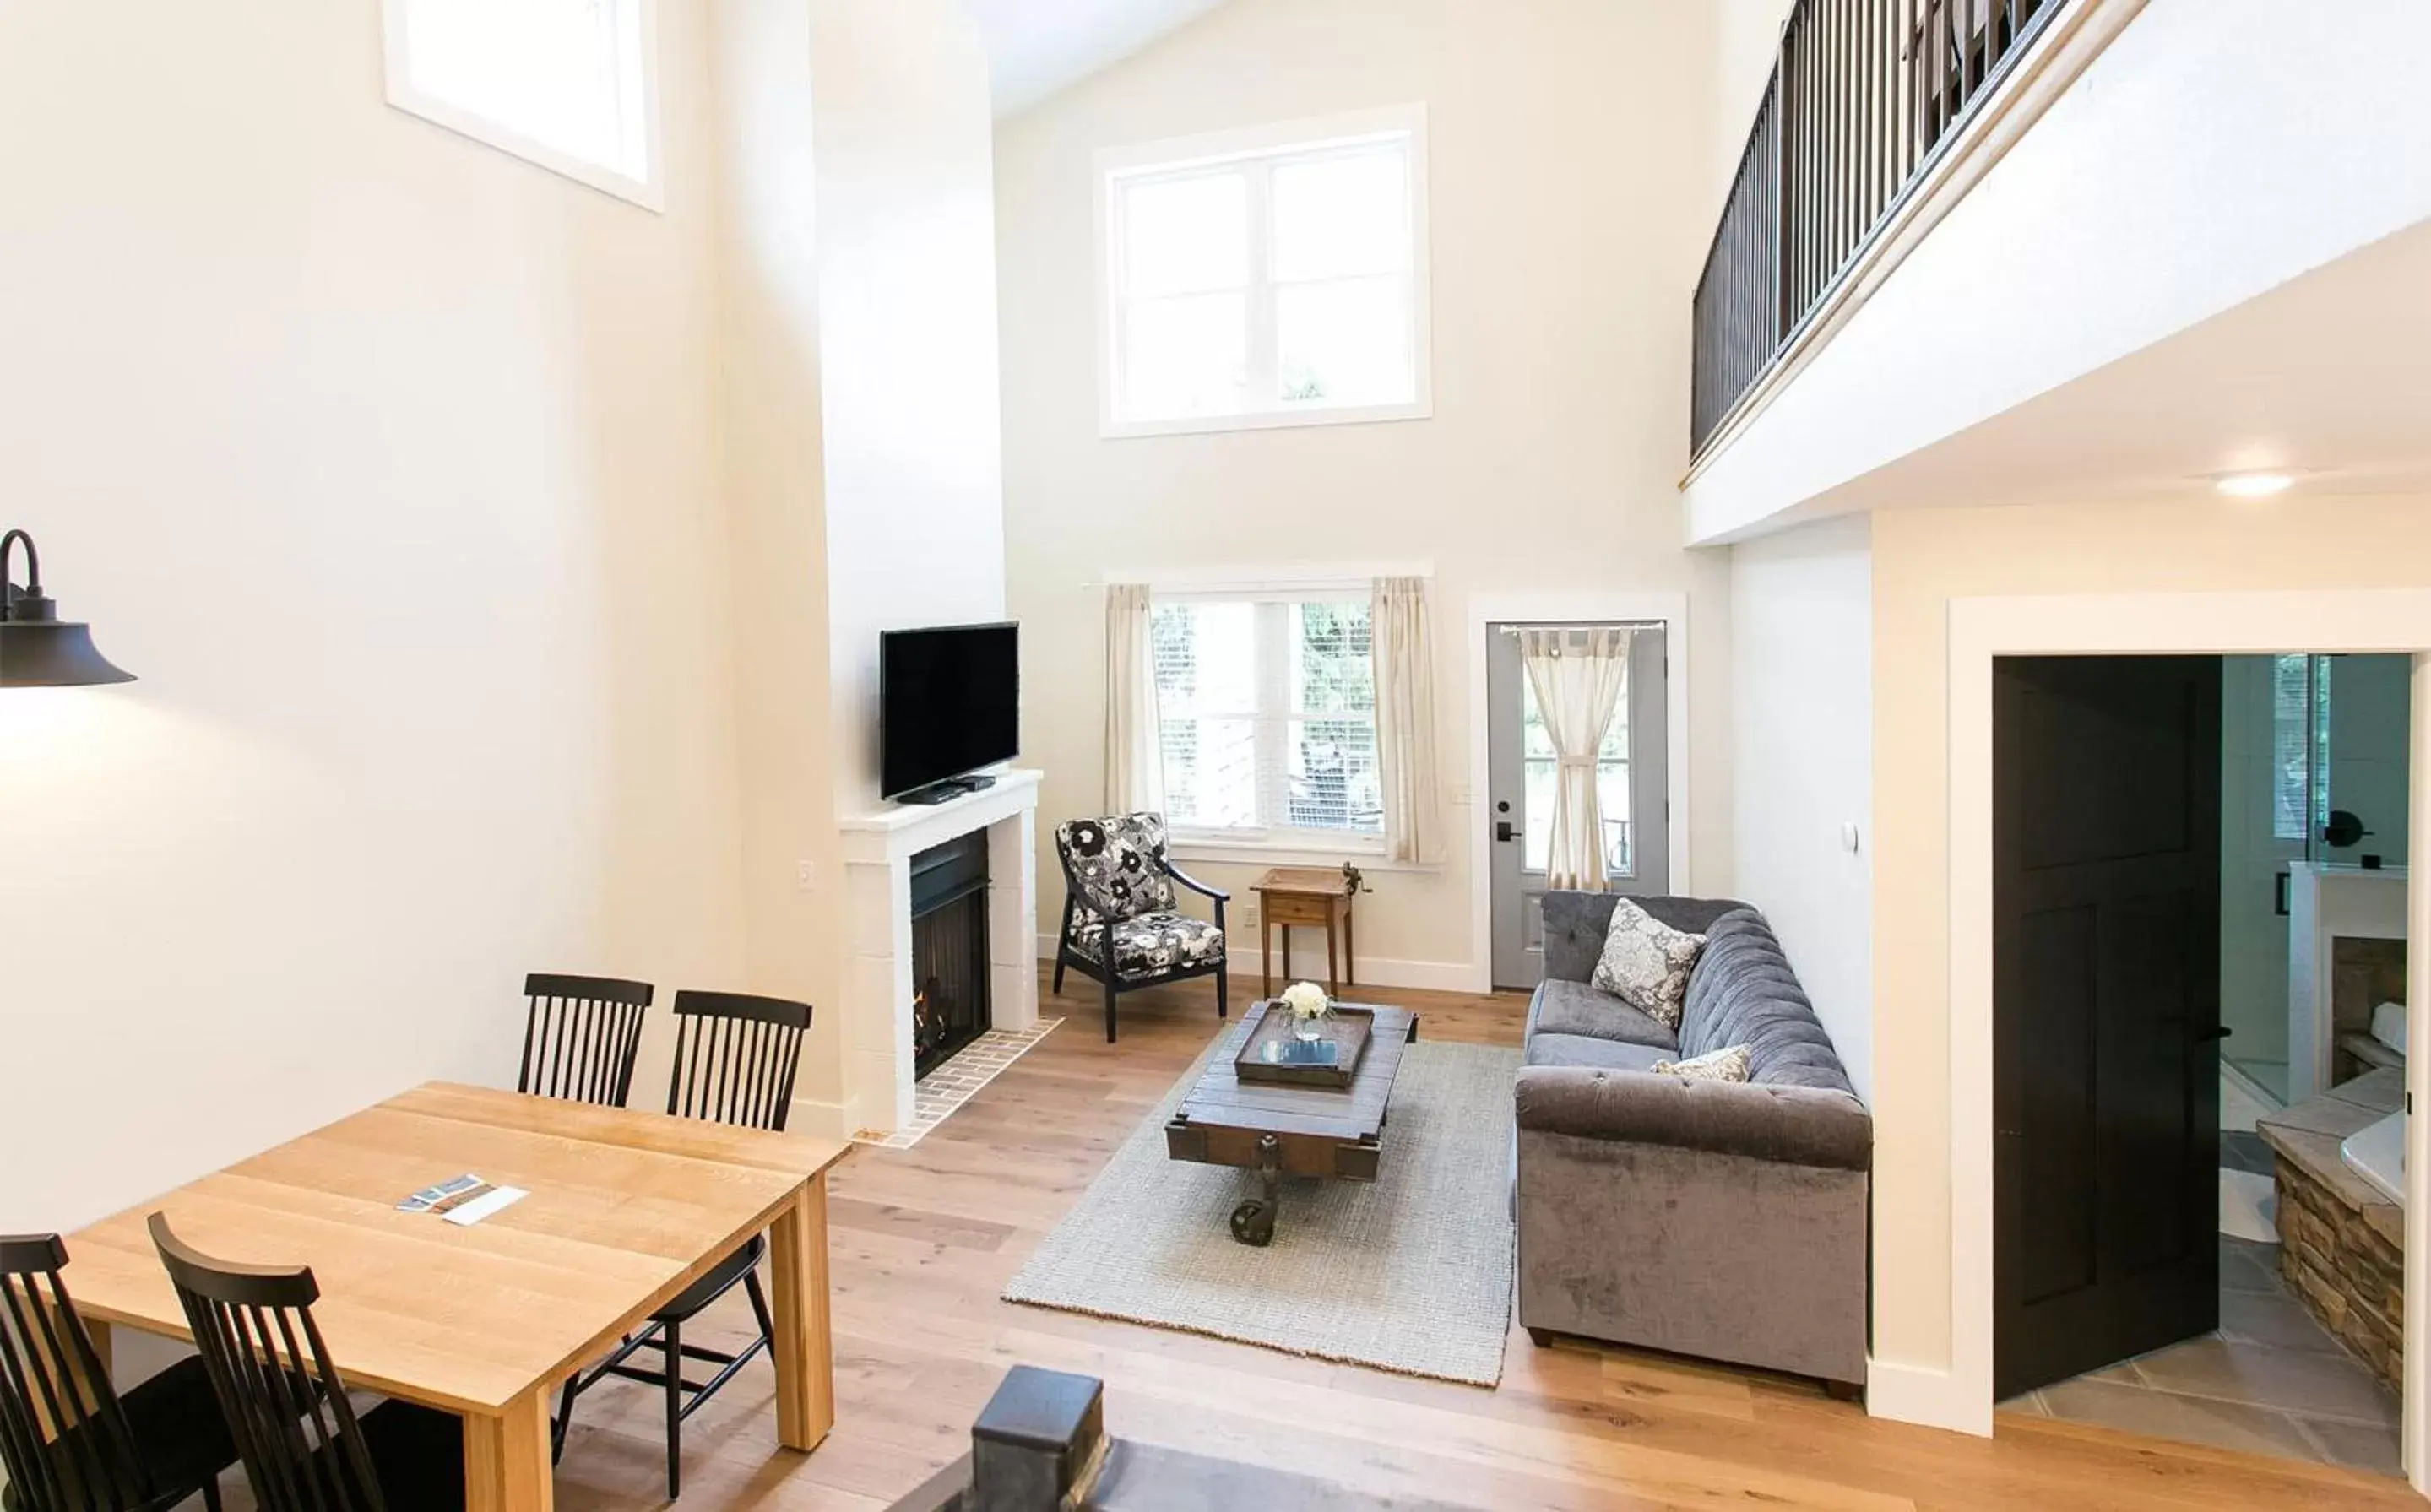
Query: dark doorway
{"x": 2106, "y": 848}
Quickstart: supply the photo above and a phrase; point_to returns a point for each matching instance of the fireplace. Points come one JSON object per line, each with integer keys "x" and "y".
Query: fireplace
{"x": 949, "y": 948}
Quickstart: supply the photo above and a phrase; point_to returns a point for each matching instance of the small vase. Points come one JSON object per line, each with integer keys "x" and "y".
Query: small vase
{"x": 1308, "y": 1031}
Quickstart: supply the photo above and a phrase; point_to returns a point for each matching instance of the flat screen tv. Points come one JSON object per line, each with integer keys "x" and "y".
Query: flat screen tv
{"x": 949, "y": 703}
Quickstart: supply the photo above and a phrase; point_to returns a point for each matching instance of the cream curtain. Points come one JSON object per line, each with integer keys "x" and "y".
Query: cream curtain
{"x": 1404, "y": 655}
{"x": 1579, "y": 677}
{"x": 1135, "y": 753}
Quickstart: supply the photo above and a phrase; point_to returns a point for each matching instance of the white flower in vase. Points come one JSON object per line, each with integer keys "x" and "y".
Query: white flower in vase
{"x": 1308, "y": 1006}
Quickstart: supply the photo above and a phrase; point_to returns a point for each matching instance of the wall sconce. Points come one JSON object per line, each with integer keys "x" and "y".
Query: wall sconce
{"x": 37, "y": 648}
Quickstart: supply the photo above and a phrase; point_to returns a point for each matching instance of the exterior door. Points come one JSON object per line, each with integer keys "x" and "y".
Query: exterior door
{"x": 2105, "y": 1010}
{"x": 1633, "y": 783}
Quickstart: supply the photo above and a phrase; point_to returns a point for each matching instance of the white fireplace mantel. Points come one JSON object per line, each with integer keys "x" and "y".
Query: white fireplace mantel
{"x": 877, "y": 851}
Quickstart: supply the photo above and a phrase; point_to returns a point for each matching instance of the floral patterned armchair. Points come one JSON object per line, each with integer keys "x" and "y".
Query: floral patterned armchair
{"x": 1119, "y": 882}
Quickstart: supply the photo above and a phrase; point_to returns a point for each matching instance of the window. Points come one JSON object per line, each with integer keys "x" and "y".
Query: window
{"x": 1268, "y": 278}
{"x": 1266, "y": 711}
{"x": 2299, "y": 757}
{"x": 1538, "y": 762}
{"x": 567, "y": 84}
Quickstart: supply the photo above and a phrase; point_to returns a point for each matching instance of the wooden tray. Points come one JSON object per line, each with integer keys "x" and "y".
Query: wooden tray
{"x": 1265, "y": 1050}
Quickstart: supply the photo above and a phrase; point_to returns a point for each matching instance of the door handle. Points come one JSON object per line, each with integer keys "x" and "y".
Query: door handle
{"x": 1502, "y": 829}
{"x": 2216, "y": 1032}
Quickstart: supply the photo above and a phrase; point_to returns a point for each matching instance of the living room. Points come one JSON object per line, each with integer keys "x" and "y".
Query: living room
{"x": 757, "y": 495}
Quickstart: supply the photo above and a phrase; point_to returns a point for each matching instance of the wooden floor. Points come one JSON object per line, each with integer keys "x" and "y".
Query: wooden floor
{"x": 924, "y": 1240}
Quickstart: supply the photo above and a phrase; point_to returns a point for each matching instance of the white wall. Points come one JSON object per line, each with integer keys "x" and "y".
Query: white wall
{"x": 389, "y": 463}
{"x": 2217, "y": 149}
{"x": 857, "y": 321}
{"x": 903, "y": 137}
{"x": 1801, "y": 683}
{"x": 1567, "y": 186}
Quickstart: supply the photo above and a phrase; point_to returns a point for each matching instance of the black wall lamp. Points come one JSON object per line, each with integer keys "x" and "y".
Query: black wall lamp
{"x": 37, "y": 648}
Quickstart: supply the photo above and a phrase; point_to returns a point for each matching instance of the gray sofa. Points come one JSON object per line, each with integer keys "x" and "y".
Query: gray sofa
{"x": 1720, "y": 1219}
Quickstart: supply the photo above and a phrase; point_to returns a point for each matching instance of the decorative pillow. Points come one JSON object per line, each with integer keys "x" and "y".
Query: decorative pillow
{"x": 1721, "y": 1066}
{"x": 1646, "y": 963}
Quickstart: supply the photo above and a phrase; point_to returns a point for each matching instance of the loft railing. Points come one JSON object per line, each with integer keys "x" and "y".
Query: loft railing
{"x": 1865, "y": 97}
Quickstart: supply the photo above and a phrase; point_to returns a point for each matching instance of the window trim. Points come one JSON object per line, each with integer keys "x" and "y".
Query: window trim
{"x": 1271, "y": 841}
{"x": 648, "y": 192}
{"x": 1180, "y": 155}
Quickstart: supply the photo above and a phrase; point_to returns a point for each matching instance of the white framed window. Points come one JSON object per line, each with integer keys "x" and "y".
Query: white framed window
{"x": 1267, "y": 718}
{"x": 1267, "y": 277}
{"x": 571, "y": 85}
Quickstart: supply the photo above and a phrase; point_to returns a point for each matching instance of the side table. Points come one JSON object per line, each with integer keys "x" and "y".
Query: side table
{"x": 1291, "y": 895}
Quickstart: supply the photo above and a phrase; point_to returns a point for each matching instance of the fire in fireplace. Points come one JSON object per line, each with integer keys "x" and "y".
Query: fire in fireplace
{"x": 950, "y": 950}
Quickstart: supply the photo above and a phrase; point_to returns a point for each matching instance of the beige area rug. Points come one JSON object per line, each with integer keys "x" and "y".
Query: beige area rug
{"x": 1411, "y": 1273}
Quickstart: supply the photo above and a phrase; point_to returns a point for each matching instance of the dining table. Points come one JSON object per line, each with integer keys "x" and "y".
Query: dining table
{"x": 625, "y": 1208}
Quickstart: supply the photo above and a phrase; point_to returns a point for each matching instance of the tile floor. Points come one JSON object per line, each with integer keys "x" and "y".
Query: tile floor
{"x": 951, "y": 1085}
{"x": 2271, "y": 1381}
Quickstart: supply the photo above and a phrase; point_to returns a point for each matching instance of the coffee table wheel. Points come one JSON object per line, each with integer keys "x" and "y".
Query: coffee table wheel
{"x": 1253, "y": 1223}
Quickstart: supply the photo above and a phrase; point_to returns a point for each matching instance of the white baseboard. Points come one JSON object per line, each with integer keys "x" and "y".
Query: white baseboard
{"x": 1428, "y": 976}
{"x": 1915, "y": 1394}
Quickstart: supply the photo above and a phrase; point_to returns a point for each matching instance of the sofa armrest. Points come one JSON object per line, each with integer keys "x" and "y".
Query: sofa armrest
{"x": 1795, "y": 1125}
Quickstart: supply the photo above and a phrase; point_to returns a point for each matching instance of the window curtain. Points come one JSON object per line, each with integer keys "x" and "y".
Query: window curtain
{"x": 1134, "y": 752}
{"x": 1405, "y": 717}
{"x": 1579, "y": 677}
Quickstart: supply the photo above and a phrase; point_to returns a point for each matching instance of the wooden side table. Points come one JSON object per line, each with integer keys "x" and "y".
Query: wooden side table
{"x": 1291, "y": 895}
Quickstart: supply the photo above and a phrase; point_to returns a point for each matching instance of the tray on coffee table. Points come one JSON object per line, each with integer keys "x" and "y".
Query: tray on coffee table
{"x": 1270, "y": 1053}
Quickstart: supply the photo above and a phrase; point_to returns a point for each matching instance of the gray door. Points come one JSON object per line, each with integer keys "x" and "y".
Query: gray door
{"x": 1634, "y": 784}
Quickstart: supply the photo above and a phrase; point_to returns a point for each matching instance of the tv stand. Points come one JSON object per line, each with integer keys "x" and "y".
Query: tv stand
{"x": 947, "y": 791}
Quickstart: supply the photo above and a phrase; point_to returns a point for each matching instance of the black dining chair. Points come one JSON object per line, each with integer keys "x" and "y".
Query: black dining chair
{"x": 736, "y": 1060}
{"x": 580, "y": 1037}
{"x": 303, "y": 1448}
{"x": 68, "y": 1441}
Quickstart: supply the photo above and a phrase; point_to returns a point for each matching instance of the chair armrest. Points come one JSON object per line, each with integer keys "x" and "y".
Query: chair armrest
{"x": 1193, "y": 884}
{"x": 1794, "y": 1125}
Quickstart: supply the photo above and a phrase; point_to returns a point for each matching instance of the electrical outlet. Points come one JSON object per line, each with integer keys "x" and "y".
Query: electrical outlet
{"x": 806, "y": 877}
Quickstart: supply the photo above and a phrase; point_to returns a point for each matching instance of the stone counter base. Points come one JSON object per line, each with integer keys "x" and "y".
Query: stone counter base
{"x": 2344, "y": 1270}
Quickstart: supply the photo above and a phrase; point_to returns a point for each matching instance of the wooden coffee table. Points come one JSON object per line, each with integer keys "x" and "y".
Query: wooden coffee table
{"x": 1290, "y": 1131}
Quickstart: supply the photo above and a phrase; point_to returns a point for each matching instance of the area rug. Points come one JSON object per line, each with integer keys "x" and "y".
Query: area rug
{"x": 1411, "y": 1273}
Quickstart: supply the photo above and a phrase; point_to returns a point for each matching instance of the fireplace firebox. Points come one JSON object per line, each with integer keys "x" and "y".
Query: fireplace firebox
{"x": 950, "y": 950}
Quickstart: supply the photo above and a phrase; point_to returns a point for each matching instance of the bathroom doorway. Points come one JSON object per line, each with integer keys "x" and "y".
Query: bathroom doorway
{"x": 2200, "y": 906}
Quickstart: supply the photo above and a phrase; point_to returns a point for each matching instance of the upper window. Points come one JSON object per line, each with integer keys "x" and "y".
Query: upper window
{"x": 567, "y": 84}
{"x": 1275, "y": 277}
{"x": 1266, "y": 712}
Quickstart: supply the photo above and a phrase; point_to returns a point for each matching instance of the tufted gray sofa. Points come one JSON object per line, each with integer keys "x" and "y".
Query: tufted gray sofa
{"x": 1720, "y": 1219}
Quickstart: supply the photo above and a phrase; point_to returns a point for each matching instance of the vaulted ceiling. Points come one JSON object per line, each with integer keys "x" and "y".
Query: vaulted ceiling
{"x": 1036, "y": 47}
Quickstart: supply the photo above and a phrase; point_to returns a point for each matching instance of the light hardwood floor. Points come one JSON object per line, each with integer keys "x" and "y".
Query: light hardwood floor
{"x": 924, "y": 1240}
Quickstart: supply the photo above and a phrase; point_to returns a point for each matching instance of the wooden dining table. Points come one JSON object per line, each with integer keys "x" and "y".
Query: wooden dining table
{"x": 626, "y": 1209}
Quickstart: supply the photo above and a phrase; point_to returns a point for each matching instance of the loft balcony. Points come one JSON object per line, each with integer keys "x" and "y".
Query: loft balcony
{"x": 1866, "y": 105}
{"x": 1963, "y": 232}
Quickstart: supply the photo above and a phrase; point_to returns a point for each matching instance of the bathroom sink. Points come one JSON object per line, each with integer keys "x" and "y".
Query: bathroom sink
{"x": 2377, "y": 1154}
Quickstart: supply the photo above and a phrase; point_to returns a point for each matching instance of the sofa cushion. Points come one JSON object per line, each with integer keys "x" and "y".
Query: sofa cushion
{"x": 1577, "y": 923}
{"x": 1743, "y": 992}
{"x": 1586, "y": 1051}
{"x": 1576, "y": 1009}
{"x": 1647, "y": 962}
{"x": 1152, "y": 944}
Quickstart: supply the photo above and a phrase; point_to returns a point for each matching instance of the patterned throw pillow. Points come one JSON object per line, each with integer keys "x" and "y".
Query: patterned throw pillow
{"x": 1720, "y": 1066}
{"x": 1646, "y": 963}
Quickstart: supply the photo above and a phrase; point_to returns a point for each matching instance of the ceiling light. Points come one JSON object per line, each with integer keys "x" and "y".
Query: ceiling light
{"x": 2255, "y": 484}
